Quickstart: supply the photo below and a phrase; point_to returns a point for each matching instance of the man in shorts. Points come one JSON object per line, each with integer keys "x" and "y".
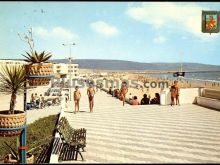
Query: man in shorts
{"x": 91, "y": 93}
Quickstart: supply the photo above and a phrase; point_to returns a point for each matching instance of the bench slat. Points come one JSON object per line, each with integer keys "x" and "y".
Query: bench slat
{"x": 72, "y": 140}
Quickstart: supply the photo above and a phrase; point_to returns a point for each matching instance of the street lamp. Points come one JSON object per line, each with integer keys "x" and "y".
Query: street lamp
{"x": 70, "y": 61}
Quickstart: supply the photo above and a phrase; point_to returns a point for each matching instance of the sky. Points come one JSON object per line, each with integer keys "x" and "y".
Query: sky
{"x": 134, "y": 31}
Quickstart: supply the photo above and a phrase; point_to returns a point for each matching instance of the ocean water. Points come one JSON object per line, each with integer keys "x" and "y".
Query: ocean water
{"x": 206, "y": 76}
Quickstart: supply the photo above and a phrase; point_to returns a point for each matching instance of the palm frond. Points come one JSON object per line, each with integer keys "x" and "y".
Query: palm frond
{"x": 37, "y": 58}
{"x": 12, "y": 78}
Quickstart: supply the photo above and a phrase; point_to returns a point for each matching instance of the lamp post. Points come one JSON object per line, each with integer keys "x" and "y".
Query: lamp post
{"x": 70, "y": 61}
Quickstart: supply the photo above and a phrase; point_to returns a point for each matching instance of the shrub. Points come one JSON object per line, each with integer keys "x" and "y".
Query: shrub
{"x": 39, "y": 133}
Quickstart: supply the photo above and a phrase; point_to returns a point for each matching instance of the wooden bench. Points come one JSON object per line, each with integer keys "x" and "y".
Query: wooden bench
{"x": 73, "y": 140}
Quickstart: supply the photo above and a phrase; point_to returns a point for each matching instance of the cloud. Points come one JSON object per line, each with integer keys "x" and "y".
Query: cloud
{"x": 177, "y": 16}
{"x": 159, "y": 39}
{"x": 56, "y": 33}
{"x": 104, "y": 29}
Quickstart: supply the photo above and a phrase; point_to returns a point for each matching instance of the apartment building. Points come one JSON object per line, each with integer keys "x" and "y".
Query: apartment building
{"x": 66, "y": 70}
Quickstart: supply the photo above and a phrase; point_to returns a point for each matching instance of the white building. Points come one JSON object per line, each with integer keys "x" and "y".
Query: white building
{"x": 66, "y": 70}
{"x": 12, "y": 62}
{"x": 60, "y": 69}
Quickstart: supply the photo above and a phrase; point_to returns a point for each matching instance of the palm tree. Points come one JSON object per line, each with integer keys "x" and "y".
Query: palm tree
{"x": 12, "y": 80}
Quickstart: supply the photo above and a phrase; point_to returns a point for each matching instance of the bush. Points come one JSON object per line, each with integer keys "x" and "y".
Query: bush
{"x": 38, "y": 133}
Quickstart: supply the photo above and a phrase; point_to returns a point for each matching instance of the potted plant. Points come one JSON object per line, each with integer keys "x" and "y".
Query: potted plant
{"x": 12, "y": 80}
{"x": 37, "y": 63}
{"x": 38, "y": 66}
{"x": 13, "y": 156}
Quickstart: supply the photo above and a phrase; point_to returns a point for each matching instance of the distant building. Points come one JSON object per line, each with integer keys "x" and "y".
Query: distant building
{"x": 12, "y": 62}
{"x": 66, "y": 70}
{"x": 60, "y": 69}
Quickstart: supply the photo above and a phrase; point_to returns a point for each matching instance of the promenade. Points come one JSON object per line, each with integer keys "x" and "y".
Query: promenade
{"x": 146, "y": 133}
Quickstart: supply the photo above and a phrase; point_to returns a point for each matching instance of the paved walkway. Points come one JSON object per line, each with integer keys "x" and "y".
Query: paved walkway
{"x": 35, "y": 114}
{"x": 147, "y": 134}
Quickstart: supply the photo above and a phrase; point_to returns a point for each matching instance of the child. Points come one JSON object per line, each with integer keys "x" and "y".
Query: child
{"x": 77, "y": 96}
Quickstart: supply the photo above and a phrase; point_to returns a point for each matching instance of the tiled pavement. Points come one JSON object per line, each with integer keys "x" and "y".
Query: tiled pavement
{"x": 147, "y": 134}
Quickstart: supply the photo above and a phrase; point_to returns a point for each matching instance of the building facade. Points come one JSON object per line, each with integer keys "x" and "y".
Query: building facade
{"x": 12, "y": 62}
{"x": 66, "y": 70}
{"x": 60, "y": 69}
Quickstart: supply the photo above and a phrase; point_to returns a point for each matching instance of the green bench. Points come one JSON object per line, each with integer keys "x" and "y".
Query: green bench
{"x": 73, "y": 140}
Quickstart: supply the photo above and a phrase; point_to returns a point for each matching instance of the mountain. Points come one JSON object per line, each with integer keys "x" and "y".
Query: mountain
{"x": 129, "y": 65}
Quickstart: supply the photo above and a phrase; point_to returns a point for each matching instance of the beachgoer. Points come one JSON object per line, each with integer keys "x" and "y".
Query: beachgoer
{"x": 156, "y": 99}
{"x": 135, "y": 101}
{"x": 113, "y": 91}
{"x": 110, "y": 90}
{"x": 42, "y": 101}
{"x": 91, "y": 93}
{"x": 77, "y": 96}
{"x": 124, "y": 90}
{"x": 101, "y": 86}
{"x": 32, "y": 98}
{"x": 145, "y": 100}
{"x": 37, "y": 100}
{"x": 177, "y": 90}
{"x": 173, "y": 94}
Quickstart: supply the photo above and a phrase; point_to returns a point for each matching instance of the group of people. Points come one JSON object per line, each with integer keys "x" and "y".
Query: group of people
{"x": 77, "y": 95}
{"x": 37, "y": 101}
{"x": 121, "y": 94}
{"x": 145, "y": 100}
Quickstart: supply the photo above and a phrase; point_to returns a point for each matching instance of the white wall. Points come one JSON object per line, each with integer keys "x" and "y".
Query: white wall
{"x": 64, "y": 69}
{"x": 187, "y": 95}
{"x": 208, "y": 102}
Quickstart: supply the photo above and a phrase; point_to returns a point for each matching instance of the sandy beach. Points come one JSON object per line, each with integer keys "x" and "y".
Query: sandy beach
{"x": 155, "y": 81}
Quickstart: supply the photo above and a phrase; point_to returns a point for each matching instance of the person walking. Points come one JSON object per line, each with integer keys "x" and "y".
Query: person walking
{"x": 91, "y": 93}
{"x": 77, "y": 96}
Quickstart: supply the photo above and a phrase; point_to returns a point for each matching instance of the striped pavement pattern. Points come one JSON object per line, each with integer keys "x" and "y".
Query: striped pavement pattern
{"x": 146, "y": 134}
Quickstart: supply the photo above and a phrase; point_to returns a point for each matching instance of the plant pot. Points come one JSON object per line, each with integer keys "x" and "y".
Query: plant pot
{"x": 15, "y": 120}
{"x": 39, "y": 69}
{"x": 39, "y": 81}
{"x": 10, "y": 160}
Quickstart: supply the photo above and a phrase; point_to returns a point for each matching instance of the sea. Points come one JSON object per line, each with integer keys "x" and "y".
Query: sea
{"x": 205, "y": 76}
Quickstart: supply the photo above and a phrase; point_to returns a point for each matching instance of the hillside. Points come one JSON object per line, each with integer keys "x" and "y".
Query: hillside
{"x": 129, "y": 65}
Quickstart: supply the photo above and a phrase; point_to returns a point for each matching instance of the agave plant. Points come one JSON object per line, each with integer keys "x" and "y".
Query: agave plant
{"x": 12, "y": 80}
{"x": 37, "y": 58}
